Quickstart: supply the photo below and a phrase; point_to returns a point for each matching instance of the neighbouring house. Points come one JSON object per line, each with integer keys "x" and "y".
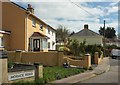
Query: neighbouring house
{"x": 28, "y": 32}
{"x": 88, "y": 35}
{"x": 112, "y": 41}
{"x": 51, "y": 33}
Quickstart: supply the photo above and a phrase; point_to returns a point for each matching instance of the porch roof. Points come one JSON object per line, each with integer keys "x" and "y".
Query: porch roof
{"x": 37, "y": 34}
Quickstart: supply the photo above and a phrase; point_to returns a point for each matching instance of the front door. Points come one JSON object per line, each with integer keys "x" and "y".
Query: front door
{"x": 36, "y": 44}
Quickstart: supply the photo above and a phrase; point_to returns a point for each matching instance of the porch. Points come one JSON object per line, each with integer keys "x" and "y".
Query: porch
{"x": 38, "y": 42}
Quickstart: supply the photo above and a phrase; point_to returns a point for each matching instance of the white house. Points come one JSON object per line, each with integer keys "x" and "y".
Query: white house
{"x": 51, "y": 33}
{"x": 90, "y": 36}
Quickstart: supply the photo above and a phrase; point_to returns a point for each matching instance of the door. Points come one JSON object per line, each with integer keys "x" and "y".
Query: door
{"x": 36, "y": 44}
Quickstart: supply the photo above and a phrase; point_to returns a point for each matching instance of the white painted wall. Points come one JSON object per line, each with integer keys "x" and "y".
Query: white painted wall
{"x": 91, "y": 40}
{"x": 52, "y": 38}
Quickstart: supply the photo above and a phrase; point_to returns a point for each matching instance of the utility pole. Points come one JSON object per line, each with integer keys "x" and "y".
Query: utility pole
{"x": 104, "y": 29}
{"x": 104, "y": 39}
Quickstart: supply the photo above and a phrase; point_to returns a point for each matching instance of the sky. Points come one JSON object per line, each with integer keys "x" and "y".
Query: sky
{"x": 74, "y": 14}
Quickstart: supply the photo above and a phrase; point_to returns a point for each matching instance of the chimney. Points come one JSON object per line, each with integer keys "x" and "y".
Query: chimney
{"x": 30, "y": 8}
{"x": 86, "y": 26}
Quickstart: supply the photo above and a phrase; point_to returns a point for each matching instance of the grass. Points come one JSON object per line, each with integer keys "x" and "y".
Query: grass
{"x": 53, "y": 73}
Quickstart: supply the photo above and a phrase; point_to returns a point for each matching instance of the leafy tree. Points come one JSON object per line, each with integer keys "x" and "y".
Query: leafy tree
{"x": 74, "y": 47}
{"x": 82, "y": 47}
{"x": 109, "y": 32}
{"x": 72, "y": 33}
{"x": 102, "y": 31}
{"x": 62, "y": 34}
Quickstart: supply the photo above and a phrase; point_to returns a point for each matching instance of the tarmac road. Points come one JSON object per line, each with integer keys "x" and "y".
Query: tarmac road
{"x": 112, "y": 76}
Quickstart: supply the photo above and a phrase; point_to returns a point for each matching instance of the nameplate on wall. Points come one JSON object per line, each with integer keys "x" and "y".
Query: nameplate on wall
{"x": 20, "y": 75}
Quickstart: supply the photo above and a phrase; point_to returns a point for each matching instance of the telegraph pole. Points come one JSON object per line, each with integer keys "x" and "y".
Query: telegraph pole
{"x": 104, "y": 39}
{"x": 104, "y": 29}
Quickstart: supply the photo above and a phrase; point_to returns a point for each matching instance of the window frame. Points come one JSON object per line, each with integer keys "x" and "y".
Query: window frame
{"x": 41, "y": 27}
{"x": 33, "y": 22}
{"x": 48, "y": 45}
{"x": 48, "y": 31}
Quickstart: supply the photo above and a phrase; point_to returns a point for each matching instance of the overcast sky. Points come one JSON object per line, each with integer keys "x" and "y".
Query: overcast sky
{"x": 59, "y": 12}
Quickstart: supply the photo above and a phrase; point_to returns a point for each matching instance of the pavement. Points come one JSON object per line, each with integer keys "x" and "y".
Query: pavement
{"x": 102, "y": 67}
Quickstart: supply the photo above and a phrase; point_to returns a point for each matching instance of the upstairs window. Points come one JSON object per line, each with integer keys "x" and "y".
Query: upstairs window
{"x": 48, "y": 31}
{"x": 1, "y": 41}
{"x": 52, "y": 33}
{"x": 48, "y": 45}
{"x": 41, "y": 27}
{"x": 33, "y": 23}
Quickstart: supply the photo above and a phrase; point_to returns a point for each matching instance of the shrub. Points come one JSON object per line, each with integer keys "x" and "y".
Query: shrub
{"x": 66, "y": 50}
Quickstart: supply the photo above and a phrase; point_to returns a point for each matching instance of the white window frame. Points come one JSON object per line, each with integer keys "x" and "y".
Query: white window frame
{"x": 33, "y": 23}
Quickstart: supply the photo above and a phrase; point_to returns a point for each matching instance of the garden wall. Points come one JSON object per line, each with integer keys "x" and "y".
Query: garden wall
{"x": 45, "y": 58}
{"x": 48, "y": 58}
{"x": 84, "y": 62}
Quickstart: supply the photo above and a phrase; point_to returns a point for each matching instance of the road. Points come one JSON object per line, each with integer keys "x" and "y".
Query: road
{"x": 109, "y": 77}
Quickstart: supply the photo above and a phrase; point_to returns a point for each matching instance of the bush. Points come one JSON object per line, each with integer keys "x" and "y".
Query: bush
{"x": 10, "y": 64}
{"x": 66, "y": 50}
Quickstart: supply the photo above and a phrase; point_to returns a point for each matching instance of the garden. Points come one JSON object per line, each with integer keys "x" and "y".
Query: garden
{"x": 77, "y": 49}
{"x": 51, "y": 74}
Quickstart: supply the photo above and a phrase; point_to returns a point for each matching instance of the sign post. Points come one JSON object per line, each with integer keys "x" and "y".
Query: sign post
{"x": 3, "y": 67}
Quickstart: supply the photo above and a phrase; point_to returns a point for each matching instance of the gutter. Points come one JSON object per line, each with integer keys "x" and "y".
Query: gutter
{"x": 28, "y": 13}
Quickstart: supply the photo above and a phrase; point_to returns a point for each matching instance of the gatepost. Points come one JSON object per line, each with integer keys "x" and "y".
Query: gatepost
{"x": 88, "y": 61}
{"x": 38, "y": 71}
{"x": 96, "y": 57}
{"x": 3, "y": 67}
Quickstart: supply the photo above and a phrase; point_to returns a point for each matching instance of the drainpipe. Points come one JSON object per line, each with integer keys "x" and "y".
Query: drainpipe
{"x": 28, "y": 13}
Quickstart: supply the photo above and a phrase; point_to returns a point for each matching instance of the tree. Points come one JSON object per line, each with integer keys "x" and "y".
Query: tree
{"x": 62, "y": 34}
{"x": 102, "y": 31}
{"x": 109, "y": 32}
{"x": 72, "y": 33}
{"x": 74, "y": 47}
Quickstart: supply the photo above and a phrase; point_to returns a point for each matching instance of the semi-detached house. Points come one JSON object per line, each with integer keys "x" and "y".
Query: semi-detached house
{"x": 27, "y": 32}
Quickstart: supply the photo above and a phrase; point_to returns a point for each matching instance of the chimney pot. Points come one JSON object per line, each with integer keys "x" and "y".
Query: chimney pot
{"x": 30, "y": 8}
{"x": 86, "y": 26}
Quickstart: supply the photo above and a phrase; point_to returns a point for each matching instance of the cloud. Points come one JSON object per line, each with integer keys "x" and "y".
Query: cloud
{"x": 65, "y": 0}
{"x": 71, "y": 16}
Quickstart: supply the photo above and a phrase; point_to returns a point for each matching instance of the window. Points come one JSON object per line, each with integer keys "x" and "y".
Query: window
{"x": 52, "y": 33}
{"x": 33, "y": 23}
{"x": 44, "y": 43}
{"x": 41, "y": 27}
{"x": 48, "y": 31}
{"x": 49, "y": 45}
{"x": 1, "y": 41}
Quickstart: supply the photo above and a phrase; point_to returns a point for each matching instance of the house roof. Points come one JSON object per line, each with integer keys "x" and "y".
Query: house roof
{"x": 86, "y": 32}
{"x": 52, "y": 28}
{"x": 37, "y": 34}
{"x": 32, "y": 15}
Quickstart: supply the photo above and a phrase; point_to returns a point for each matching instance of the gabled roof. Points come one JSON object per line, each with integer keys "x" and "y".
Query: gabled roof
{"x": 32, "y": 15}
{"x": 86, "y": 32}
{"x": 37, "y": 34}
